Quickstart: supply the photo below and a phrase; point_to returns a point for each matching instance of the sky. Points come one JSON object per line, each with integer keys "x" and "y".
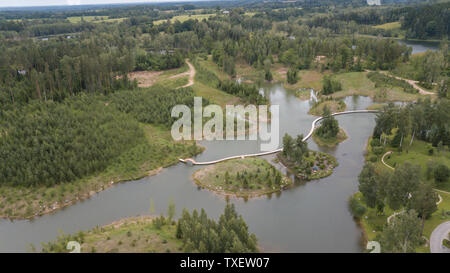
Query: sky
{"x": 25, "y": 3}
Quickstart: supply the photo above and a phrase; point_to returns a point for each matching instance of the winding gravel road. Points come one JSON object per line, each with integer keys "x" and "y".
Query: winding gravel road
{"x": 437, "y": 236}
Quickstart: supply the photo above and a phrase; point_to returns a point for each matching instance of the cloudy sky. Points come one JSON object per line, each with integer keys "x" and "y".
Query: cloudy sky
{"x": 23, "y": 3}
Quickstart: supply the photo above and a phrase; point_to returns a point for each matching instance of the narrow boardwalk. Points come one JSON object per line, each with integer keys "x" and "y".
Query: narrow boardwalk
{"x": 313, "y": 127}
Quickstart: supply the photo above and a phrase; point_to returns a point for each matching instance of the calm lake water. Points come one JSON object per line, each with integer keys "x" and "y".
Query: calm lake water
{"x": 309, "y": 217}
{"x": 420, "y": 46}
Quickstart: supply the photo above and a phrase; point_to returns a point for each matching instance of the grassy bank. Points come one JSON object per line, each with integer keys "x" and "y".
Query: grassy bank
{"x": 333, "y": 105}
{"x": 146, "y": 159}
{"x": 206, "y": 81}
{"x": 130, "y": 235}
{"x": 330, "y": 142}
{"x": 357, "y": 83}
{"x": 248, "y": 177}
{"x": 164, "y": 234}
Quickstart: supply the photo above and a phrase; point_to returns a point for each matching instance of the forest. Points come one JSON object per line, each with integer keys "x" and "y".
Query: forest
{"x": 69, "y": 106}
{"x": 51, "y": 143}
{"x": 425, "y": 120}
{"x": 48, "y": 143}
{"x": 96, "y": 57}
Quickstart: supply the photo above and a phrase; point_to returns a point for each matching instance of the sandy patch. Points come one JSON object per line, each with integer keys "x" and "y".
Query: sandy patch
{"x": 145, "y": 78}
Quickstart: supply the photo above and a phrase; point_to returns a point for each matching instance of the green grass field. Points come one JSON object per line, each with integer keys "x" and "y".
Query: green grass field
{"x": 333, "y": 105}
{"x": 205, "y": 86}
{"x": 387, "y": 26}
{"x": 129, "y": 235}
{"x": 418, "y": 153}
{"x": 183, "y": 18}
{"x": 356, "y": 83}
{"x": 214, "y": 95}
{"x": 94, "y": 19}
{"x": 376, "y": 106}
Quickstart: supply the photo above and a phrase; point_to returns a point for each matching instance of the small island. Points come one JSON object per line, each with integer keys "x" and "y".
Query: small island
{"x": 329, "y": 134}
{"x": 247, "y": 177}
{"x": 318, "y": 109}
{"x": 304, "y": 163}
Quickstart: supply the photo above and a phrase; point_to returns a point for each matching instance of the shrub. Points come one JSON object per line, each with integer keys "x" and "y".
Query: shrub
{"x": 356, "y": 208}
{"x": 292, "y": 76}
{"x": 378, "y": 150}
{"x": 375, "y": 142}
{"x": 441, "y": 173}
{"x": 446, "y": 243}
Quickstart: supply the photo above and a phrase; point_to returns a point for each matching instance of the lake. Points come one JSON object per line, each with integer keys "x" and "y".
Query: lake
{"x": 309, "y": 217}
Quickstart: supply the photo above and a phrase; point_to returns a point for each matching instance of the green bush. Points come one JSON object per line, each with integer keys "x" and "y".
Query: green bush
{"x": 378, "y": 150}
{"x": 446, "y": 243}
{"x": 375, "y": 142}
{"x": 356, "y": 208}
{"x": 441, "y": 173}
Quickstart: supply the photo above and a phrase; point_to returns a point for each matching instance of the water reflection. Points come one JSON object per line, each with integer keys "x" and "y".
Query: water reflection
{"x": 308, "y": 217}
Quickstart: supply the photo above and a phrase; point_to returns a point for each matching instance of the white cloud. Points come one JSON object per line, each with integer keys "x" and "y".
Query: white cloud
{"x": 73, "y": 2}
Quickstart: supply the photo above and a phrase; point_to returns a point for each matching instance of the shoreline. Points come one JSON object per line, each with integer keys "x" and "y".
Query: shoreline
{"x": 240, "y": 194}
{"x": 56, "y": 206}
{"x": 68, "y": 203}
{"x": 236, "y": 195}
{"x": 339, "y": 139}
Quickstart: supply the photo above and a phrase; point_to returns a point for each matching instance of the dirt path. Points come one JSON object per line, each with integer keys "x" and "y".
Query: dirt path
{"x": 191, "y": 74}
{"x": 382, "y": 160}
{"x": 411, "y": 82}
{"x": 145, "y": 78}
{"x": 392, "y": 168}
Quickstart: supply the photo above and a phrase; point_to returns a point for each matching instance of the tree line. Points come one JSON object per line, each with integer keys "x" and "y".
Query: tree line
{"x": 425, "y": 120}
{"x": 229, "y": 235}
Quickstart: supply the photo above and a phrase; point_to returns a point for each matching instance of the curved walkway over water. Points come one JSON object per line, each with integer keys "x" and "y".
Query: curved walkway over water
{"x": 313, "y": 127}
